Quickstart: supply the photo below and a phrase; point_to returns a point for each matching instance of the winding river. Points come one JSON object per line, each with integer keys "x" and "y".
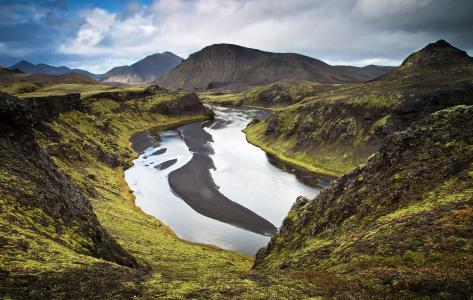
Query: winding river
{"x": 209, "y": 185}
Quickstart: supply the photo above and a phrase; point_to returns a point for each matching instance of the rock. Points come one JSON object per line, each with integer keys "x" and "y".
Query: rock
{"x": 48, "y": 108}
{"x": 276, "y": 94}
{"x": 14, "y": 111}
{"x": 51, "y": 197}
{"x": 185, "y": 104}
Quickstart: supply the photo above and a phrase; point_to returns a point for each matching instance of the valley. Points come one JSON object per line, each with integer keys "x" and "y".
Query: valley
{"x": 353, "y": 184}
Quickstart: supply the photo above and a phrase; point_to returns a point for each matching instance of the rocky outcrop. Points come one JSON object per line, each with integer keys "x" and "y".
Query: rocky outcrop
{"x": 276, "y": 94}
{"x": 185, "y": 104}
{"x": 122, "y": 96}
{"x": 439, "y": 55}
{"x": 35, "y": 192}
{"x": 48, "y": 108}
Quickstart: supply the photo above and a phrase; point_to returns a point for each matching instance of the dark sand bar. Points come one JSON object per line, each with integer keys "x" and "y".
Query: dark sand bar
{"x": 194, "y": 184}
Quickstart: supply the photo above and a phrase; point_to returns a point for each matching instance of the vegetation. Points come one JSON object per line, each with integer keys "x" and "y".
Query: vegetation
{"x": 391, "y": 224}
{"x": 335, "y": 128}
{"x": 280, "y": 93}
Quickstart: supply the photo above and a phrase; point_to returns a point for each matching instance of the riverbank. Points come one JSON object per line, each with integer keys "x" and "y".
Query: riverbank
{"x": 171, "y": 267}
{"x": 307, "y": 172}
{"x": 253, "y": 136}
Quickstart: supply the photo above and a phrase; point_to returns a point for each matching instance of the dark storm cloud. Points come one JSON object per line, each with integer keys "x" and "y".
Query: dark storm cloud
{"x": 33, "y": 30}
{"x": 101, "y": 35}
{"x": 441, "y": 17}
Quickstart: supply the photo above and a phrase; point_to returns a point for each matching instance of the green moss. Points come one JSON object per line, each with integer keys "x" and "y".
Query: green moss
{"x": 430, "y": 201}
{"x": 282, "y": 150}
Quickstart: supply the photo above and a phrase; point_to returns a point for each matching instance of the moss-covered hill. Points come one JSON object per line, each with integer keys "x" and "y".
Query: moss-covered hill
{"x": 334, "y": 128}
{"x": 69, "y": 227}
{"x": 400, "y": 225}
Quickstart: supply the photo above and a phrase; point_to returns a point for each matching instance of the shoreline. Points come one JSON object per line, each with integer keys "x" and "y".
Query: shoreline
{"x": 299, "y": 168}
{"x": 296, "y": 164}
{"x": 120, "y": 173}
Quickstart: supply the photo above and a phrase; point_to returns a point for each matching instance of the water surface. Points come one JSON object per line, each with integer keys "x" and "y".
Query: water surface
{"x": 242, "y": 174}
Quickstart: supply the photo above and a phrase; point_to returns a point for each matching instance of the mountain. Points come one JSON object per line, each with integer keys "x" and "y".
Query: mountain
{"x": 236, "y": 68}
{"x": 439, "y": 56}
{"x": 365, "y": 73}
{"x": 145, "y": 70}
{"x": 45, "y": 69}
{"x": 337, "y": 127}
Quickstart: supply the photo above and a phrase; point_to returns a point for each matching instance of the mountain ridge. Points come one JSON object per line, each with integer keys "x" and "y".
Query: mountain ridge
{"x": 41, "y": 68}
{"x": 145, "y": 70}
{"x": 236, "y": 67}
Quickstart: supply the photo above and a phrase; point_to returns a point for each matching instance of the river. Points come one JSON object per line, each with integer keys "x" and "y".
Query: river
{"x": 209, "y": 185}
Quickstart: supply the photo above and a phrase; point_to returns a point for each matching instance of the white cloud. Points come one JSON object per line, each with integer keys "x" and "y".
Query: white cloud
{"x": 352, "y": 31}
{"x": 98, "y": 23}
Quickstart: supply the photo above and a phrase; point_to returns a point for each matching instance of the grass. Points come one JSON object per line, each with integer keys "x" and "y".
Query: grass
{"x": 281, "y": 148}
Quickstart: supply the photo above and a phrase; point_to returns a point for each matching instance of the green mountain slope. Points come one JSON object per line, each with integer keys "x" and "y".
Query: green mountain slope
{"x": 338, "y": 127}
{"x": 401, "y": 223}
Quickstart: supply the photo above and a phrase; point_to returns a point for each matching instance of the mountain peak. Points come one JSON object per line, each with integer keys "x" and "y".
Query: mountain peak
{"x": 21, "y": 63}
{"x": 440, "y": 44}
{"x": 437, "y": 54}
{"x": 169, "y": 53}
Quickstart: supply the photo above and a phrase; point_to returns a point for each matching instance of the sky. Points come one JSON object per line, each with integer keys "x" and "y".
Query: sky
{"x": 99, "y": 35}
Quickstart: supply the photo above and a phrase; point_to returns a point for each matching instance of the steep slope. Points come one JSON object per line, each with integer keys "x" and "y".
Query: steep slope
{"x": 234, "y": 67}
{"x": 336, "y": 128}
{"x": 439, "y": 57}
{"x": 45, "y": 69}
{"x": 145, "y": 70}
{"x": 401, "y": 224}
{"x": 17, "y": 82}
{"x": 44, "y": 213}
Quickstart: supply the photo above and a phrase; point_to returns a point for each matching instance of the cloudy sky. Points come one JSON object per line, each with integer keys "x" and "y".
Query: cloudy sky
{"x": 98, "y": 35}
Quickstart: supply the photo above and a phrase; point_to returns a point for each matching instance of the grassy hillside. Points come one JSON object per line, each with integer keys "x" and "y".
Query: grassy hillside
{"x": 335, "y": 128}
{"x": 91, "y": 147}
{"x": 400, "y": 225}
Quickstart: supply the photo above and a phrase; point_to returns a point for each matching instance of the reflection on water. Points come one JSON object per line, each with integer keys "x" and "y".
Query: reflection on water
{"x": 243, "y": 174}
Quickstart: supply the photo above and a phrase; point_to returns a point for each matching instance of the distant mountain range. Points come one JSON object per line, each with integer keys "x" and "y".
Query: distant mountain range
{"x": 145, "y": 70}
{"x": 12, "y": 76}
{"x": 220, "y": 66}
{"x": 235, "y": 67}
{"x": 29, "y": 68}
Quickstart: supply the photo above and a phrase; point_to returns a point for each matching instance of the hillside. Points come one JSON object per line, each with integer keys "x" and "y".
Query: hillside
{"x": 336, "y": 128}
{"x": 399, "y": 225}
{"x": 145, "y": 70}
{"x": 18, "y": 83}
{"x": 44, "y": 69}
{"x": 232, "y": 67}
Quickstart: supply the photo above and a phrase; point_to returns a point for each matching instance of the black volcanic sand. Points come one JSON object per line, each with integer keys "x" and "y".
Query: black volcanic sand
{"x": 166, "y": 164}
{"x": 194, "y": 184}
{"x": 141, "y": 141}
{"x": 158, "y": 152}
